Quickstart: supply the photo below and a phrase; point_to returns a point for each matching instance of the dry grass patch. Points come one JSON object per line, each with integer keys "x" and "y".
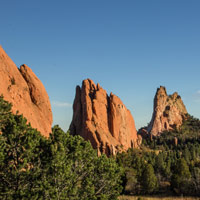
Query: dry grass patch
{"x": 156, "y": 198}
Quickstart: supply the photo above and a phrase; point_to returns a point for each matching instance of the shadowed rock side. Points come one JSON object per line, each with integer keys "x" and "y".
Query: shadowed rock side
{"x": 103, "y": 120}
{"x": 169, "y": 112}
{"x": 26, "y": 92}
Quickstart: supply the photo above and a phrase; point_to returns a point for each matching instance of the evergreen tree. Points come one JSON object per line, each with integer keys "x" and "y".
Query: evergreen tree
{"x": 181, "y": 178}
{"x": 167, "y": 171}
{"x": 160, "y": 164}
{"x": 20, "y": 166}
{"x": 132, "y": 185}
{"x": 149, "y": 180}
{"x": 196, "y": 181}
{"x": 68, "y": 163}
{"x": 73, "y": 171}
{"x": 107, "y": 179}
{"x": 5, "y": 112}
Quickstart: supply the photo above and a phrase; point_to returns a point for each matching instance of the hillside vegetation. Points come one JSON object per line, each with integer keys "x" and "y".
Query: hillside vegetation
{"x": 168, "y": 164}
{"x": 66, "y": 167}
{"x": 58, "y": 167}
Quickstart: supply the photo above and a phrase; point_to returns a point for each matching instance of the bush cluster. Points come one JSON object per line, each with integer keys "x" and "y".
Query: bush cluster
{"x": 60, "y": 167}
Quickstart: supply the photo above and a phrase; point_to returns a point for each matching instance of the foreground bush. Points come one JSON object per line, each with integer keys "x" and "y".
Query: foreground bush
{"x": 60, "y": 167}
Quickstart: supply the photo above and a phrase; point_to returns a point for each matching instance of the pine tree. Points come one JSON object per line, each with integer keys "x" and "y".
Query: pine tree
{"x": 196, "y": 181}
{"x": 73, "y": 171}
{"x": 160, "y": 164}
{"x": 69, "y": 165}
{"x": 5, "y": 112}
{"x": 149, "y": 180}
{"x": 181, "y": 178}
{"x": 107, "y": 179}
{"x": 20, "y": 166}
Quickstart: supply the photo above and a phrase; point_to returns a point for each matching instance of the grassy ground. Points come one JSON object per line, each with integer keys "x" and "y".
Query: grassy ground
{"x": 156, "y": 198}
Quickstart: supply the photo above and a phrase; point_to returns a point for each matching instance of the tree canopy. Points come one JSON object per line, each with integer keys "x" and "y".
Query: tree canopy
{"x": 59, "y": 167}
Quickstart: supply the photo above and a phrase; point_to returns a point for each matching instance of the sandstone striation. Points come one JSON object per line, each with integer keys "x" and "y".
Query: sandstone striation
{"x": 169, "y": 112}
{"x": 103, "y": 120}
{"x": 25, "y": 91}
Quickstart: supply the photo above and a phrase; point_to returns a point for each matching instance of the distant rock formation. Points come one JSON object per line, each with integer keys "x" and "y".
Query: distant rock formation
{"x": 25, "y": 91}
{"x": 103, "y": 120}
{"x": 169, "y": 112}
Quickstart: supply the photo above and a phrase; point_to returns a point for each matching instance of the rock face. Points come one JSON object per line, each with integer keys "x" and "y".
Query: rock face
{"x": 103, "y": 120}
{"x": 169, "y": 112}
{"x": 25, "y": 91}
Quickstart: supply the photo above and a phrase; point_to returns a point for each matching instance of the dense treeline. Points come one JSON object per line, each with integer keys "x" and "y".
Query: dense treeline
{"x": 66, "y": 167}
{"x": 168, "y": 164}
{"x": 60, "y": 167}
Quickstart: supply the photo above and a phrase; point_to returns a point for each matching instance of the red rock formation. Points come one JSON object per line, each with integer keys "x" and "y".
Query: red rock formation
{"x": 27, "y": 94}
{"x": 169, "y": 112}
{"x": 103, "y": 120}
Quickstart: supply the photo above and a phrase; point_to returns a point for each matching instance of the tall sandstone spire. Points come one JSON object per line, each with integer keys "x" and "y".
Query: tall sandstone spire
{"x": 169, "y": 112}
{"x": 103, "y": 120}
{"x": 25, "y": 91}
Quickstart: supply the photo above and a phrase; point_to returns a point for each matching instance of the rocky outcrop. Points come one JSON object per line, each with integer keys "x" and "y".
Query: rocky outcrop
{"x": 169, "y": 112}
{"x": 26, "y": 92}
{"x": 103, "y": 120}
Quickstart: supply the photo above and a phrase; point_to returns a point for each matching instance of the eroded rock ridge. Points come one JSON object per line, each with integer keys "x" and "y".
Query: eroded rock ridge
{"x": 169, "y": 112}
{"x": 103, "y": 120}
{"x": 25, "y": 91}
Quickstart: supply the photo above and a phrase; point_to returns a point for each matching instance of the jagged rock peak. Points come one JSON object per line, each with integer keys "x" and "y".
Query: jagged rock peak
{"x": 103, "y": 120}
{"x": 161, "y": 90}
{"x": 25, "y": 91}
{"x": 169, "y": 112}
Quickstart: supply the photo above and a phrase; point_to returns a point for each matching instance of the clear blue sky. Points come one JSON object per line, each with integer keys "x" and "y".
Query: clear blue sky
{"x": 130, "y": 47}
